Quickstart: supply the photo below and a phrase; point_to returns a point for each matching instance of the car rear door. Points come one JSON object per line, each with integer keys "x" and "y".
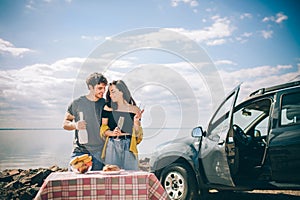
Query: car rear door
{"x": 284, "y": 141}
{"x": 214, "y": 148}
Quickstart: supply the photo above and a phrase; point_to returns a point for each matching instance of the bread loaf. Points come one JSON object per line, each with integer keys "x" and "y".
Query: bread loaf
{"x": 81, "y": 163}
{"x": 109, "y": 168}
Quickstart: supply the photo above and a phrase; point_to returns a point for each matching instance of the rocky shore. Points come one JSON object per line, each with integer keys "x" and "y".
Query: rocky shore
{"x": 23, "y": 184}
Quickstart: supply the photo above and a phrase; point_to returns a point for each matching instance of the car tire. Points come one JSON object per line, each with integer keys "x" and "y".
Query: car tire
{"x": 179, "y": 182}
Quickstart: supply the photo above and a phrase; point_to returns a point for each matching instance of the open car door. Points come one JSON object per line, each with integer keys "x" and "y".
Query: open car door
{"x": 214, "y": 149}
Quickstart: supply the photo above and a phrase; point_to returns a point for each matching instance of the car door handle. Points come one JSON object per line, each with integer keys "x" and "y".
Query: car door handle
{"x": 221, "y": 142}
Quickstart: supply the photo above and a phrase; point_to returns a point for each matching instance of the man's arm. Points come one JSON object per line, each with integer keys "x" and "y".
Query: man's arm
{"x": 68, "y": 123}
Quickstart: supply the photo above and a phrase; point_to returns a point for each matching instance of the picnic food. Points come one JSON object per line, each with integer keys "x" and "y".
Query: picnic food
{"x": 110, "y": 168}
{"x": 82, "y": 163}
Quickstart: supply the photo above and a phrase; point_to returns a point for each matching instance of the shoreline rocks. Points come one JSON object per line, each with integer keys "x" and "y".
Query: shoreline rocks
{"x": 23, "y": 184}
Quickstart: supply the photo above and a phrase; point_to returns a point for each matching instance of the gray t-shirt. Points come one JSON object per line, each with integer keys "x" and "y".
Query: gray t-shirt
{"x": 92, "y": 112}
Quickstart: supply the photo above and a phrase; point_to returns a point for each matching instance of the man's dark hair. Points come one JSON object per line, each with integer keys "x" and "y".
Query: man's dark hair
{"x": 95, "y": 79}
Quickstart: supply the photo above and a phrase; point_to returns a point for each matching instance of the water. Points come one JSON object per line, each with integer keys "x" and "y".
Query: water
{"x": 24, "y": 149}
{"x": 34, "y": 148}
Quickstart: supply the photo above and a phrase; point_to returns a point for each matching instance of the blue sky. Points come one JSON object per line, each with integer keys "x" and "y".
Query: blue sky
{"x": 44, "y": 45}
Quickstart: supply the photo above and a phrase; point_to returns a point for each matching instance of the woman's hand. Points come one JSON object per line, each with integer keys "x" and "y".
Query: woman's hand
{"x": 138, "y": 117}
{"x": 117, "y": 132}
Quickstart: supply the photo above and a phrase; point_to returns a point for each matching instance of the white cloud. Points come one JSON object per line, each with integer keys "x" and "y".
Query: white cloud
{"x": 244, "y": 37}
{"x": 212, "y": 35}
{"x": 266, "y": 34}
{"x": 266, "y": 19}
{"x": 215, "y": 34}
{"x": 38, "y": 91}
{"x": 7, "y": 47}
{"x": 247, "y": 34}
{"x": 279, "y": 18}
{"x": 215, "y": 42}
{"x": 210, "y": 10}
{"x": 260, "y": 71}
{"x": 93, "y": 38}
{"x": 31, "y": 5}
{"x": 224, "y": 62}
{"x": 192, "y": 3}
{"x": 246, "y": 15}
{"x": 258, "y": 77}
{"x": 174, "y": 3}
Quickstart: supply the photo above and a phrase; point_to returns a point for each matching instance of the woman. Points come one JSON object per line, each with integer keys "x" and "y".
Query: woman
{"x": 121, "y": 127}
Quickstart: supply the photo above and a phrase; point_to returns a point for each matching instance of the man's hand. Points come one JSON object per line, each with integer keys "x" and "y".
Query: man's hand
{"x": 80, "y": 125}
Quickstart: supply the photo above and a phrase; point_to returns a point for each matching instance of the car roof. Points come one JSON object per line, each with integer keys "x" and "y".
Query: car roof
{"x": 275, "y": 88}
{"x": 270, "y": 90}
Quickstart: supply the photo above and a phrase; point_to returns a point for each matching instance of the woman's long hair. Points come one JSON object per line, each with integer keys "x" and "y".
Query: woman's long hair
{"x": 126, "y": 94}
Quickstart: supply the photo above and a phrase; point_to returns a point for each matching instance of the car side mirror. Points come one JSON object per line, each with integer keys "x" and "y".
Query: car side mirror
{"x": 198, "y": 132}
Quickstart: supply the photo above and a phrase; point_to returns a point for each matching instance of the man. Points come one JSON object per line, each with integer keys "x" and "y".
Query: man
{"x": 90, "y": 108}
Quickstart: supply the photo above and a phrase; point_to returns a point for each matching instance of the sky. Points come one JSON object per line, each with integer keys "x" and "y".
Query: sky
{"x": 178, "y": 57}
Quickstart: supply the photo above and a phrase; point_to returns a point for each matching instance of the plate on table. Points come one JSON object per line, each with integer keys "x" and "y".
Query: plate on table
{"x": 111, "y": 172}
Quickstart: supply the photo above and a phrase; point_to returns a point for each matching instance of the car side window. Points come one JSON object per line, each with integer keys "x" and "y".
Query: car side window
{"x": 220, "y": 122}
{"x": 262, "y": 127}
{"x": 290, "y": 109}
{"x": 221, "y": 126}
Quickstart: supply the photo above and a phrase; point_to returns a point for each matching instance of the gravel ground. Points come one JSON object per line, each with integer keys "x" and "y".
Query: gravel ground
{"x": 256, "y": 195}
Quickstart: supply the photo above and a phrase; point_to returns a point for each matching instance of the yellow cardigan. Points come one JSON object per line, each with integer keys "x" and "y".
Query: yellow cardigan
{"x": 136, "y": 138}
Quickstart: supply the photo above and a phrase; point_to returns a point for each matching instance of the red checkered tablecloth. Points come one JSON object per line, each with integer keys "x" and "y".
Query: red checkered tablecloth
{"x": 95, "y": 185}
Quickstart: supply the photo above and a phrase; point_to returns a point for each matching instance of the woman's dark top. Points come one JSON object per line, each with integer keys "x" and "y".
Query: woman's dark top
{"x": 114, "y": 116}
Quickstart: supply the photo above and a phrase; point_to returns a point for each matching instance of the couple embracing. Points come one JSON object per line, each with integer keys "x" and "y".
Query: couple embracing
{"x": 113, "y": 125}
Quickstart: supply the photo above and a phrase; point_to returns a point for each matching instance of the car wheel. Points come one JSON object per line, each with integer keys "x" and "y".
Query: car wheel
{"x": 178, "y": 182}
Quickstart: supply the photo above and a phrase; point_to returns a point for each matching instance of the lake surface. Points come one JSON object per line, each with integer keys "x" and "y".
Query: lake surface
{"x": 34, "y": 148}
{"x": 24, "y": 149}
